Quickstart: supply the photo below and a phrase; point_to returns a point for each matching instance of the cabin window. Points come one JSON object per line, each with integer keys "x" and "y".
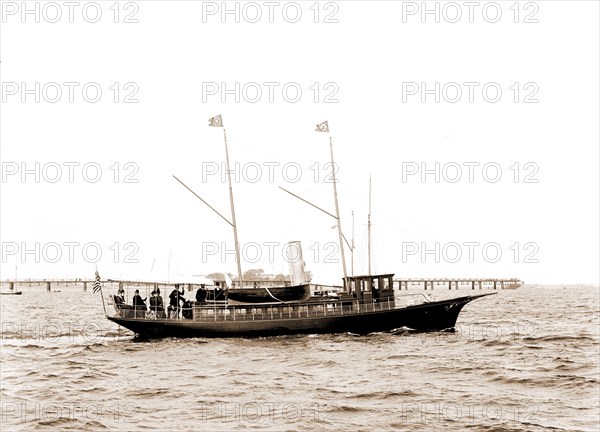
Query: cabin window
{"x": 365, "y": 285}
{"x": 352, "y": 285}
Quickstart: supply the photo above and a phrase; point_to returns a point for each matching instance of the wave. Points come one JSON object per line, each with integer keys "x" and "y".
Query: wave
{"x": 560, "y": 381}
{"x": 382, "y": 395}
{"x": 561, "y": 338}
{"x": 69, "y": 424}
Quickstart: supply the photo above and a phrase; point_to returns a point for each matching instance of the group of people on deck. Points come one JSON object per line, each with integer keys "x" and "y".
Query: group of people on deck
{"x": 157, "y": 306}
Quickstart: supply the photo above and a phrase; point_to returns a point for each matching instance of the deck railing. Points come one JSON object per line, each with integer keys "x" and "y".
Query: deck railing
{"x": 221, "y": 312}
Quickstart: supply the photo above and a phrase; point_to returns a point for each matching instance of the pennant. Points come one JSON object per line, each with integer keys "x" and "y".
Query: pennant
{"x": 216, "y": 121}
{"x": 323, "y": 127}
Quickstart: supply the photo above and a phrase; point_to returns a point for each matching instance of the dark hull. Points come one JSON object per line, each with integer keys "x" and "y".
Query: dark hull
{"x": 438, "y": 315}
{"x": 11, "y": 293}
{"x": 261, "y": 295}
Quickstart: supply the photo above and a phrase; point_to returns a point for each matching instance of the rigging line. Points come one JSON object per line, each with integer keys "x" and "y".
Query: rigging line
{"x": 198, "y": 196}
{"x": 273, "y": 295}
{"x": 308, "y": 202}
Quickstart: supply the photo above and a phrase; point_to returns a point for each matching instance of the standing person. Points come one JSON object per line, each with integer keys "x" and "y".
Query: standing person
{"x": 157, "y": 305}
{"x": 160, "y": 304}
{"x": 153, "y": 303}
{"x": 175, "y": 298}
{"x": 201, "y": 293}
{"x": 139, "y": 304}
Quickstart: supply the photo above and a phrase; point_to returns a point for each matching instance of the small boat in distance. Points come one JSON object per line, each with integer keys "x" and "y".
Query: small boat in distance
{"x": 11, "y": 292}
{"x": 365, "y": 305}
{"x": 512, "y": 285}
{"x": 11, "y": 287}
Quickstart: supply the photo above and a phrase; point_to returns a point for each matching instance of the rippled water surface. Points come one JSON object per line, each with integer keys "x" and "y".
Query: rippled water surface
{"x": 523, "y": 360}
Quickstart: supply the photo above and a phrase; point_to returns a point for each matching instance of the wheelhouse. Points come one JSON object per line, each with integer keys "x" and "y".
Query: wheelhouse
{"x": 371, "y": 287}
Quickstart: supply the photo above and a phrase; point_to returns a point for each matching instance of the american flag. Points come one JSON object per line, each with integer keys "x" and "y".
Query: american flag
{"x": 97, "y": 285}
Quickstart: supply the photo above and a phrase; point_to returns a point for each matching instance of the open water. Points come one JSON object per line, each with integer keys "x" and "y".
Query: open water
{"x": 523, "y": 360}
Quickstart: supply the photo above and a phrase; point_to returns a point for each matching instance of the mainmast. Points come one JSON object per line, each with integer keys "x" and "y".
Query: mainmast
{"x": 337, "y": 212}
{"x": 324, "y": 127}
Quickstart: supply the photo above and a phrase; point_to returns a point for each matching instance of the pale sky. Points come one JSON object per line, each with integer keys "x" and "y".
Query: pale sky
{"x": 497, "y": 178}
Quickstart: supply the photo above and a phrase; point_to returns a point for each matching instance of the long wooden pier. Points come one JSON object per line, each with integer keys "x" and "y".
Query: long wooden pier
{"x": 85, "y": 283}
{"x": 398, "y": 284}
{"x": 488, "y": 283}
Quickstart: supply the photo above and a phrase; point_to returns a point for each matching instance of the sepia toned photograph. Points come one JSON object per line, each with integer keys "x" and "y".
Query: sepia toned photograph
{"x": 299, "y": 215}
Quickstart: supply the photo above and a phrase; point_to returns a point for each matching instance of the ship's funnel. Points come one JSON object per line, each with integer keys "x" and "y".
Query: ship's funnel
{"x": 296, "y": 261}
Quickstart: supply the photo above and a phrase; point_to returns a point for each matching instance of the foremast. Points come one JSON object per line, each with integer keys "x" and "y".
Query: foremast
{"x": 233, "y": 222}
{"x": 217, "y": 121}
